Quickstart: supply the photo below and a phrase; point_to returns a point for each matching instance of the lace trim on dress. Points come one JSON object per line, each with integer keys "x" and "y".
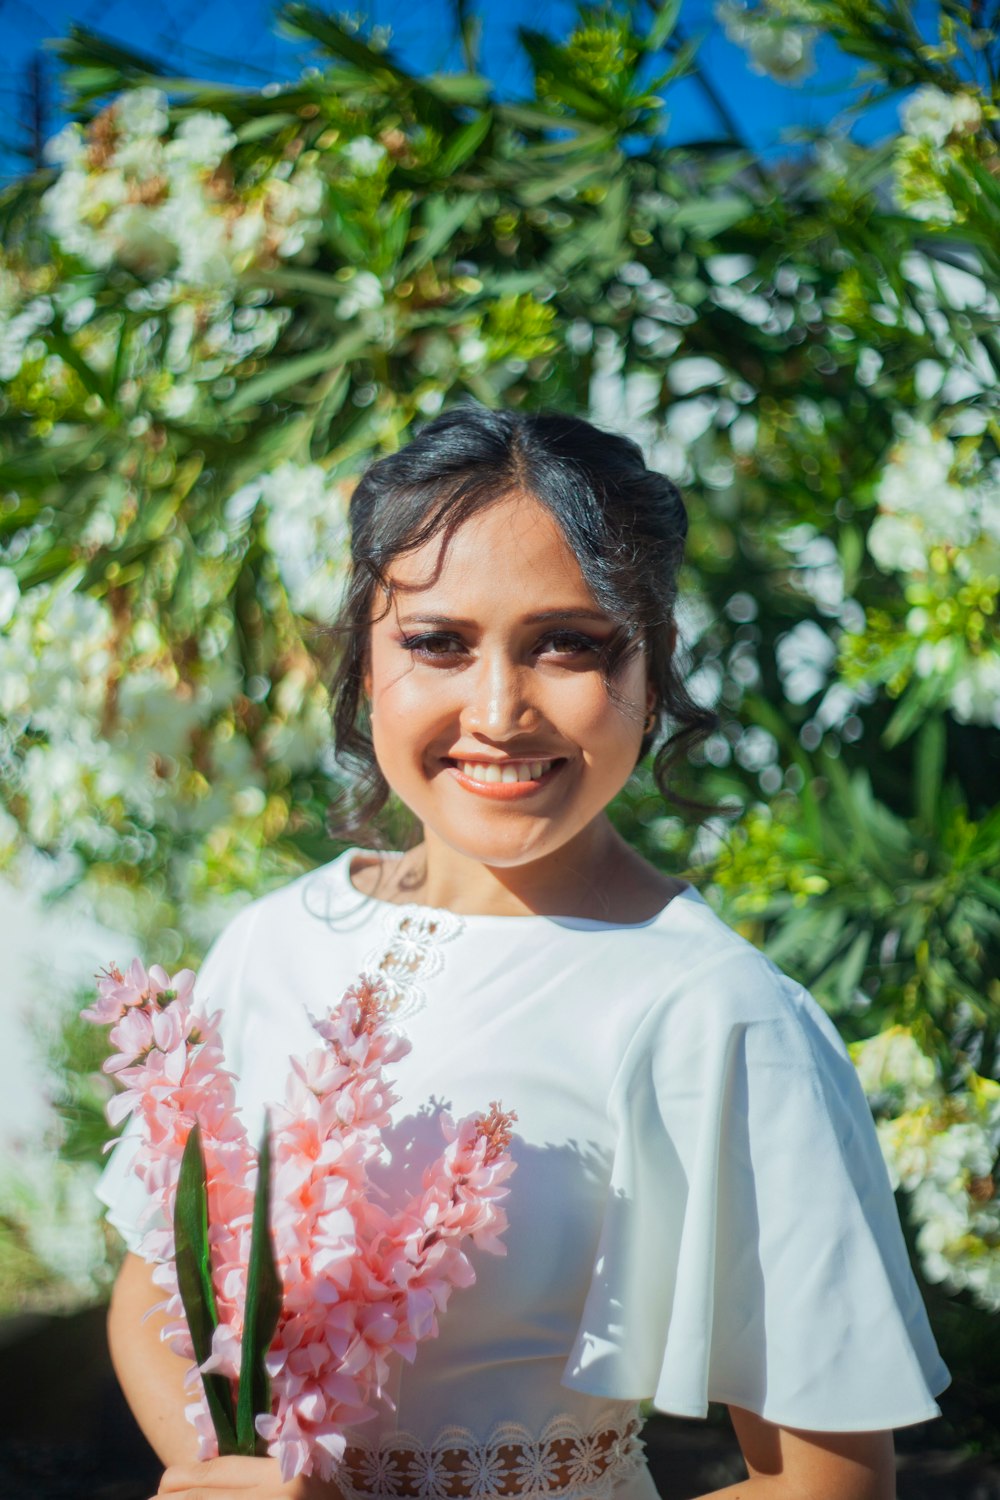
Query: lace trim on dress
{"x": 564, "y": 1461}
{"x": 412, "y": 953}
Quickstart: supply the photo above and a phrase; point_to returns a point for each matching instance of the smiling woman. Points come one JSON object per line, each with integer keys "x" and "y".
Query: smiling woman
{"x": 508, "y": 655}
{"x": 512, "y": 608}
{"x": 494, "y": 723}
{"x": 621, "y": 525}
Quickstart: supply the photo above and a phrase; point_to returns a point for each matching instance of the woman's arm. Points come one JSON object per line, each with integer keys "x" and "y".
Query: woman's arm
{"x": 787, "y": 1463}
{"x": 150, "y": 1374}
{"x": 152, "y": 1378}
{"x": 783, "y": 1463}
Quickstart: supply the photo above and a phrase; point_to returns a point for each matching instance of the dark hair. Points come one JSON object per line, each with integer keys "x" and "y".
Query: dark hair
{"x": 625, "y": 523}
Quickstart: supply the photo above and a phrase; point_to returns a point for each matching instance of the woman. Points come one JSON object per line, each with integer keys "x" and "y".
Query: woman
{"x": 700, "y": 1211}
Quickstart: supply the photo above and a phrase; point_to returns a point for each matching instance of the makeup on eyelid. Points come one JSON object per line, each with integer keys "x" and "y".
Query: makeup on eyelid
{"x": 424, "y": 643}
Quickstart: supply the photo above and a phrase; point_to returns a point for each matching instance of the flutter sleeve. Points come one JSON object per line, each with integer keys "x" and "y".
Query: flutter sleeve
{"x": 219, "y": 986}
{"x": 751, "y": 1251}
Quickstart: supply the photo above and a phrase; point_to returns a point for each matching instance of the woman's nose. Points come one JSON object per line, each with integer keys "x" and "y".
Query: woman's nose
{"x": 500, "y": 698}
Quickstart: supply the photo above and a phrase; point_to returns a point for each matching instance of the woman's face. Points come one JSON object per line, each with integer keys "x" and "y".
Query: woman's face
{"x": 490, "y": 717}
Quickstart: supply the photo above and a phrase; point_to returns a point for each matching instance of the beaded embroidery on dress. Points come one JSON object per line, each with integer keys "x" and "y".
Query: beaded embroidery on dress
{"x": 411, "y": 953}
{"x": 563, "y": 1461}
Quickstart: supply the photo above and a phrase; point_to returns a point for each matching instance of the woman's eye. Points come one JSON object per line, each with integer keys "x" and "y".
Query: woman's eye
{"x": 570, "y": 643}
{"x": 432, "y": 645}
{"x": 438, "y": 646}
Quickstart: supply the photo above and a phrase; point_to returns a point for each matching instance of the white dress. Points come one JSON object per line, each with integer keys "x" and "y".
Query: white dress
{"x": 700, "y": 1210}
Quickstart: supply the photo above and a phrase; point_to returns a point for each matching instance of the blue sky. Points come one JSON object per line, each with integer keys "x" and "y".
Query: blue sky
{"x": 236, "y": 41}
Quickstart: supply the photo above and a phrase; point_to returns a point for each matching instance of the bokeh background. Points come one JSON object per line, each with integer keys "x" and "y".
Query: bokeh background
{"x": 246, "y": 249}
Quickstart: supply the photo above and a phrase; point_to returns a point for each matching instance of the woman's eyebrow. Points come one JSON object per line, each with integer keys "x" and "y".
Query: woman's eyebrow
{"x": 431, "y": 620}
{"x": 539, "y": 617}
{"x": 569, "y": 614}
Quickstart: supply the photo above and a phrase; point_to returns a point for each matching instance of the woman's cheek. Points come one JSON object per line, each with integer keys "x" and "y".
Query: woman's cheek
{"x": 416, "y": 700}
{"x": 409, "y": 716}
{"x": 609, "y": 728}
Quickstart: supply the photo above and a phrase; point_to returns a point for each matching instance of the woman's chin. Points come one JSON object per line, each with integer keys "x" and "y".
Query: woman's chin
{"x": 505, "y": 842}
{"x": 493, "y": 852}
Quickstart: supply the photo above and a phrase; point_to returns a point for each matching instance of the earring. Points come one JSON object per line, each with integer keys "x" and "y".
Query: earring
{"x": 650, "y": 723}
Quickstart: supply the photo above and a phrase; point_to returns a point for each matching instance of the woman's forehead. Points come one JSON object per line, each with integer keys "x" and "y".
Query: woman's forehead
{"x": 515, "y": 543}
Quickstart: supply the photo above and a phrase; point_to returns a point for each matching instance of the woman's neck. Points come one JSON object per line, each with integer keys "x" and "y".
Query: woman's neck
{"x": 597, "y": 875}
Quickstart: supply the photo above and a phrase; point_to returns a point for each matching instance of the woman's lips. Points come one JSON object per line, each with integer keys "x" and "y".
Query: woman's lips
{"x": 504, "y": 780}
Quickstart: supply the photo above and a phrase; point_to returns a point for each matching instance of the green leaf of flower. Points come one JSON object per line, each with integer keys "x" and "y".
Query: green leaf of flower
{"x": 263, "y": 1307}
{"x": 193, "y": 1260}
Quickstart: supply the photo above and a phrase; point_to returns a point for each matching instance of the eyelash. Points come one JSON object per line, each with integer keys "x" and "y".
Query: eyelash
{"x": 420, "y": 645}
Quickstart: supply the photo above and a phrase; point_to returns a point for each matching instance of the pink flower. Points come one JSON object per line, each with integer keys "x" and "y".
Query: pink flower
{"x": 360, "y": 1283}
{"x": 117, "y": 992}
{"x": 225, "y": 1356}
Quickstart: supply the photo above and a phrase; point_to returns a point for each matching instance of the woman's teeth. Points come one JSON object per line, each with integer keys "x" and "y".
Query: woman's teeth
{"x": 478, "y": 770}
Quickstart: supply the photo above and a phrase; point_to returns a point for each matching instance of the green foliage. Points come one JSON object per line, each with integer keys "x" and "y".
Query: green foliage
{"x": 25, "y": 1278}
{"x": 81, "y": 1090}
{"x": 909, "y": 909}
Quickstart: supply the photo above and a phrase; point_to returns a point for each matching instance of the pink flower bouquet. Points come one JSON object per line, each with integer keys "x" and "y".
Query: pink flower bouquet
{"x": 289, "y": 1286}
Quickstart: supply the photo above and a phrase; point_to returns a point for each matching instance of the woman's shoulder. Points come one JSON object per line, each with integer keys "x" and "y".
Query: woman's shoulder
{"x": 716, "y": 981}
{"x": 708, "y": 957}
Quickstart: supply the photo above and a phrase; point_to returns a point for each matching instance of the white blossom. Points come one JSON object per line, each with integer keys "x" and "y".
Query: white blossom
{"x": 783, "y": 52}
{"x": 306, "y": 530}
{"x": 696, "y": 370}
{"x": 142, "y": 111}
{"x": 364, "y": 155}
{"x": 179, "y": 401}
{"x": 967, "y": 114}
{"x": 932, "y": 205}
{"x": 77, "y": 202}
{"x": 472, "y": 351}
{"x": 140, "y": 238}
{"x": 804, "y": 655}
{"x": 929, "y": 115}
{"x": 727, "y": 269}
{"x": 17, "y": 332}
{"x": 362, "y": 293}
{"x": 893, "y": 1062}
{"x": 975, "y": 697}
{"x": 10, "y": 593}
{"x": 149, "y": 204}
{"x": 941, "y": 1149}
{"x": 776, "y": 44}
{"x": 898, "y": 544}
{"x": 139, "y": 158}
{"x": 689, "y": 420}
{"x": 922, "y": 505}
{"x": 66, "y": 147}
{"x": 202, "y": 140}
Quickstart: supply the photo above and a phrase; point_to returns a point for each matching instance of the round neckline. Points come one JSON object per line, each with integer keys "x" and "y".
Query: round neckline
{"x": 343, "y": 866}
